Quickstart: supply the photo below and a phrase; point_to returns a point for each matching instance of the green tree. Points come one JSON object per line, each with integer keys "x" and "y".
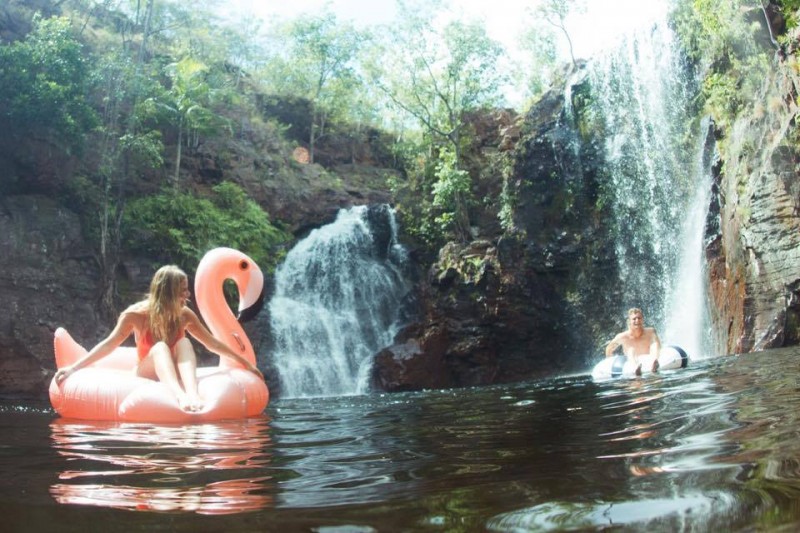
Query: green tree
{"x": 176, "y": 226}
{"x": 44, "y": 80}
{"x": 187, "y": 104}
{"x": 729, "y": 50}
{"x": 451, "y": 192}
{"x": 539, "y": 59}
{"x": 555, "y": 12}
{"x": 436, "y": 77}
{"x": 122, "y": 147}
{"x": 317, "y": 62}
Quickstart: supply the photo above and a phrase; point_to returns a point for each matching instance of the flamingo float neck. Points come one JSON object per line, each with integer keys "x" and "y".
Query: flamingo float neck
{"x": 217, "y": 266}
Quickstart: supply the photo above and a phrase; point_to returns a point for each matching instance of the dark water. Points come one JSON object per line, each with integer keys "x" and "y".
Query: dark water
{"x": 712, "y": 447}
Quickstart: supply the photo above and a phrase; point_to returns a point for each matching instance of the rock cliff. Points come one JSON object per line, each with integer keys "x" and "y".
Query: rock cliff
{"x": 518, "y": 303}
{"x": 753, "y": 239}
{"x": 524, "y": 299}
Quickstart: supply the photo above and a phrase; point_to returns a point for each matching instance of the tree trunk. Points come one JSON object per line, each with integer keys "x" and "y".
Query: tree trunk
{"x": 313, "y": 136}
{"x": 178, "y": 154}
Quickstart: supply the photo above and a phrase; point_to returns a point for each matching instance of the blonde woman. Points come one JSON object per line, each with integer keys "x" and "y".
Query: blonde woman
{"x": 159, "y": 325}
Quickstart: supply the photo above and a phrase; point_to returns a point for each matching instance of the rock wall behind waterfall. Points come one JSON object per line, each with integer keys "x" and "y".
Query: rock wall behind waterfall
{"x": 532, "y": 300}
{"x": 46, "y": 271}
{"x": 753, "y": 239}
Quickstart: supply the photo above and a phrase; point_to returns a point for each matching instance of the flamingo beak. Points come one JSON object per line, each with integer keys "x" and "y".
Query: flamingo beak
{"x": 249, "y": 313}
{"x": 252, "y": 298}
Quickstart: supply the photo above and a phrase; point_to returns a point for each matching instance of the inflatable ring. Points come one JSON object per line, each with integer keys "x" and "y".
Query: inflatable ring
{"x": 109, "y": 389}
{"x": 670, "y": 358}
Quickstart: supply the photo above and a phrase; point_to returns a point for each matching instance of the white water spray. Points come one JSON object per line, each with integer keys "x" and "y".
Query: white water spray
{"x": 337, "y": 302}
{"x": 660, "y": 183}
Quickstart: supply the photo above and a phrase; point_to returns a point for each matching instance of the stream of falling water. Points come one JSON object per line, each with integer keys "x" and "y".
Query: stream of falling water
{"x": 338, "y": 299}
{"x": 660, "y": 168}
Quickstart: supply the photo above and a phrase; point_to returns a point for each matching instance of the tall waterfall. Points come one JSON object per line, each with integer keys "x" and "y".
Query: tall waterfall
{"x": 660, "y": 178}
{"x": 338, "y": 298}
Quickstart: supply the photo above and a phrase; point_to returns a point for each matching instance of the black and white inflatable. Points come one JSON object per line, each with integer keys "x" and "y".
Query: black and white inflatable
{"x": 670, "y": 358}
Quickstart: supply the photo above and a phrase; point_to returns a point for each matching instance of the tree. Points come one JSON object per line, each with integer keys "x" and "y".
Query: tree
{"x": 186, "y": 103}
{"x": 436, "y": 77}
{"x": 44, "y": 80}
{"x": 317, "y": 63}
{"x": 539, "y": 61}
{"x": 555, "y": 12}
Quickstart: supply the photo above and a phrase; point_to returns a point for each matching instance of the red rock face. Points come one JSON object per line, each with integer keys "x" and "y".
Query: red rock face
{"x": 754, "y": 259}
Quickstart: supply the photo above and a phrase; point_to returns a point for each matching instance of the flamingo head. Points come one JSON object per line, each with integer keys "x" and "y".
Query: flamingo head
{"x": 228, "y": 263}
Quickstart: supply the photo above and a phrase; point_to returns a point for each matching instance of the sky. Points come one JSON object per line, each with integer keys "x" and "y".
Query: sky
{"x": 597, "y": 28}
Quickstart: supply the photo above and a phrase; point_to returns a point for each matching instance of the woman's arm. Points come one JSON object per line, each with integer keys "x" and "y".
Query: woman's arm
{"x": 121, "y": 331}
{"x": 202, "y": 334}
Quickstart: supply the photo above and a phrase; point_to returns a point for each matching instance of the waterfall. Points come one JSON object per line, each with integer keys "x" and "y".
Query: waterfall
{"x": 338, "y": 300}
{"x": 660, "y": 182}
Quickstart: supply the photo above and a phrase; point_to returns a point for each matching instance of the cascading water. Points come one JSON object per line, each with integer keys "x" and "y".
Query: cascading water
{"x": 338, "y": 300}
{"x": 659, "y": 183}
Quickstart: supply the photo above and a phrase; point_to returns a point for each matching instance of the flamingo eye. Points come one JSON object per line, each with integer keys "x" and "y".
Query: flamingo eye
{"x": 244, "y": 265}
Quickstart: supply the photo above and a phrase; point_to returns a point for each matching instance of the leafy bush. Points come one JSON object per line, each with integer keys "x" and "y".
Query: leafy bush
{"x": 179, "y": 227}
{"x": 44, "y": 80}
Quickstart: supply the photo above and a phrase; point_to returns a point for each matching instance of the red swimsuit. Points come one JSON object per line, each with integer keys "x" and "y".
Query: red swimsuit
{"x": 145, "y": 343}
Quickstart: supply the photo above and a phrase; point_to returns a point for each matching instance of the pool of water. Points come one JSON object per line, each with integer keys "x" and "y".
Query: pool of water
{"x": 714, "y": 446}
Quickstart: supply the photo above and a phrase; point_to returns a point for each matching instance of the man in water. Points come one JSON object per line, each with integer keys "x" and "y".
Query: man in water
{"x": 636, "y": 340}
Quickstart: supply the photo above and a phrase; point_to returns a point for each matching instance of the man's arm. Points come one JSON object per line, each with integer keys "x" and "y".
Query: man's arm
{"x": 655, "y": 345}
{"x": 613, "y": 345}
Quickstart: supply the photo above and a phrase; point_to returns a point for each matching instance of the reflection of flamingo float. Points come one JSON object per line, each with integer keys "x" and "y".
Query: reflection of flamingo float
{"x": 153, "y": 468}
{"x": 109, "y": 390}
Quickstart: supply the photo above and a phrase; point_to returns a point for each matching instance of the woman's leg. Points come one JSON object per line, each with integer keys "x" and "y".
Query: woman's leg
{"x": 187, "y": 368}
{"x": 160, "y": 364}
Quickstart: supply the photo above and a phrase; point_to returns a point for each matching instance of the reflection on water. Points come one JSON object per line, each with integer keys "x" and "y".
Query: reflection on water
{"x": 711, "y": 447}
{"x": 142, "y": 467}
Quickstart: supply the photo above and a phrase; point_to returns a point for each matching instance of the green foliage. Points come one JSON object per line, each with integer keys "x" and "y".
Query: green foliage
{"x": 555, "y": 13}
{"x": 450, "y": 191}
{"x": 722, "y": 98}
{"x": 144, "y": 150}
{"x": 43, "y": 83}
{"x": 180, "y": 227}
{"x": 317, "y": 62}
{"x": 730, "y": 49}
{"x": 186, "y": 104}
{"x": 508, "y": 198}
{"x": 790, "y": 9}
{"x": 434, "y": 77}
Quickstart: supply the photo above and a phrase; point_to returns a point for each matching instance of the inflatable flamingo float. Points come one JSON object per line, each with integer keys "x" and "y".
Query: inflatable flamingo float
{"x": 109, "y": 389}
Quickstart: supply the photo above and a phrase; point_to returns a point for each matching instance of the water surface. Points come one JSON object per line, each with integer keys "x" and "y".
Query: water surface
{"x": 714, "y": 446}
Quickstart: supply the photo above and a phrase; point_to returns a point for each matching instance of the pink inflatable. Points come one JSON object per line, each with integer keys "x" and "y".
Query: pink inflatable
{"x": 109, "y": 390}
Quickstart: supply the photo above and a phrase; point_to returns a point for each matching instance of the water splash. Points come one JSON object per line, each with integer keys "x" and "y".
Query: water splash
{"x": 338, "y": 300}
{"x": 688, "y": 321}
{"x": 658, "y": 182}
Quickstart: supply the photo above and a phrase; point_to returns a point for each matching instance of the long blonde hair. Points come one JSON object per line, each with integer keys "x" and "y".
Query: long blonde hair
{"x": 164, "y": 303}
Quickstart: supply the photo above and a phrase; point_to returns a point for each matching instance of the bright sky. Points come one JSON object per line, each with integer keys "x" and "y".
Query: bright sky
{"x": 601, "y": 25}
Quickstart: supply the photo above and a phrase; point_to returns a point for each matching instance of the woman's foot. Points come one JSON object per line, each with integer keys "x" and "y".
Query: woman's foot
{"x": 196, "y": 403}
{"x": 184, "y": 402}
{"x": 190, "y": 403}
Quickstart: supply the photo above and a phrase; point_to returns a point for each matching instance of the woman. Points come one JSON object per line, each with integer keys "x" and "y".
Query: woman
{"x": 165, "y": 353}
